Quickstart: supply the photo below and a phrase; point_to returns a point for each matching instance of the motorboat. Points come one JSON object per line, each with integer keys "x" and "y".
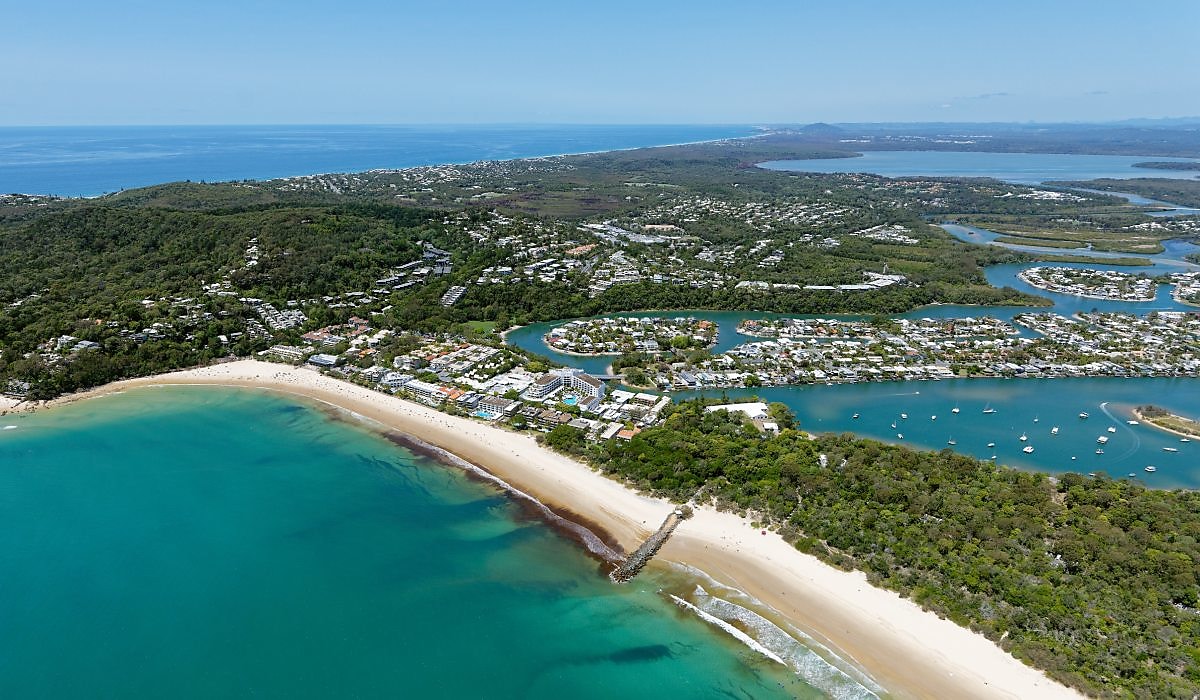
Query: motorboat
{"x": 1083, "y": 415}
{"x": 899, "y": 436}
{"x": 1027, "y": 449}
{"x": 1099, "y": 451}
{"x": 1150, "y": 468}
{"x": 933, "y": 418}
{"x": 855, "y": 416}
{"x": 1102, "y": 439}
{"x": 1054, "y": 430}
{"x": 904, "y": 416}
{"x": 1132, "y": 422}
{"x": 1170, "y": 449}
{"x": 1112, "y": 429}
{"x": 991, "y": 444}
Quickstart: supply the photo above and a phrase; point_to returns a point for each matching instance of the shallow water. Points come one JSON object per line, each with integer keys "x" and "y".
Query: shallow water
{"x": 205, "y": 542}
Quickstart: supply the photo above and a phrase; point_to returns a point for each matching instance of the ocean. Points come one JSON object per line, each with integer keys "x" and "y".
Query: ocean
{"x": 91, "y": 161}
{"x": 200, "y": 542}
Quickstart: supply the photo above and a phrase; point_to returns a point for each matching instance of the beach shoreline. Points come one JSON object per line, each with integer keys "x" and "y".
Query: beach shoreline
{"x": 911, "y": 652}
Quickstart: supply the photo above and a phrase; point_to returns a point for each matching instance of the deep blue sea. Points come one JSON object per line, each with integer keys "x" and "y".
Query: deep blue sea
{"x": 90, "y": 161}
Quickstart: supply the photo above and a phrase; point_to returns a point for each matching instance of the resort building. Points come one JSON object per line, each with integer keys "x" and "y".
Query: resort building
{"x": 324, "y": 360}
{"x": 430, "y": 393}
{"x": 588, "y": 390}
{"x": 497, "y": 405}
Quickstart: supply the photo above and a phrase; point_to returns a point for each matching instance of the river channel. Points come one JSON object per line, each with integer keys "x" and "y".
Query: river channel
{"x": 1029, "y": 407}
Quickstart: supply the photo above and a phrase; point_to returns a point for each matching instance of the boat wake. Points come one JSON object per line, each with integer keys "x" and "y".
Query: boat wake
{"x": 10, "y": 427}
{"x": 1137, "y": 441}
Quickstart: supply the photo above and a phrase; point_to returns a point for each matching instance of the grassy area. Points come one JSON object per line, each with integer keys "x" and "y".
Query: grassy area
{"x": 482, "y": 327}
{"x": 1127, "y": 261}
{"x": 1124, "y": 242}
{"x": 1039, "y": 242}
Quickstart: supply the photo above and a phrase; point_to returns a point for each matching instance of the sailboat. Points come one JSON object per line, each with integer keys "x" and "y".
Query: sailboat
{"x": 951, "y": 441}
{"x": 988, "y": 409}
{"x": 955, "y": 409}
{"x": 1023, "y": 437}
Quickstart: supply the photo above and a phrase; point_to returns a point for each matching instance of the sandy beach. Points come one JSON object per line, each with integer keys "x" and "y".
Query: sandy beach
{"x": 912, "y": 653}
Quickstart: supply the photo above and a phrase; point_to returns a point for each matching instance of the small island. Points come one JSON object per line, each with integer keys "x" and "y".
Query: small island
{"x": 1164, "y": 420}
{"x": 1168, "y": 165}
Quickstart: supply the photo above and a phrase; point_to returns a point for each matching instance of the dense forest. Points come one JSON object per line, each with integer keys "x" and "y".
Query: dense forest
{"x": 1093, "y": 580}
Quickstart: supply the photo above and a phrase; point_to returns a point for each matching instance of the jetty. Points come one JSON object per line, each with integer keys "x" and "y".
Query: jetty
{"x": 643, "y": 554}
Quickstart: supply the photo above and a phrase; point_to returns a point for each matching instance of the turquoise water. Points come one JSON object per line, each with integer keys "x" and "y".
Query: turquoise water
{"x": 202, "y": 542}
{"x": 1022, "y": 168}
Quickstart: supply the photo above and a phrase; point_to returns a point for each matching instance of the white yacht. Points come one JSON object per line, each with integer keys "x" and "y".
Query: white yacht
{"x": 1054, "y": 430}
{"x": 1102, "y": 439}
{"x": 1027, "y": 449}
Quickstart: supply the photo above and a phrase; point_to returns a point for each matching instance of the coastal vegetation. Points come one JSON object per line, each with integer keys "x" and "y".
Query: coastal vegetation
{"x": 1174, "y": 190}
{"x": 1091, "y": 579}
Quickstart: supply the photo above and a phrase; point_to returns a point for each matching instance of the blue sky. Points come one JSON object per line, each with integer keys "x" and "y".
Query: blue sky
{"x": 213, "y": 62}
